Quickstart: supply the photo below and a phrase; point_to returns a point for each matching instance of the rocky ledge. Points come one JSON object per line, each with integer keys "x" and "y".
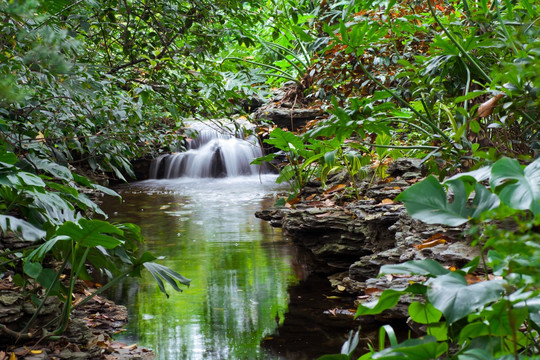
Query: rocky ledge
{"x": 350, "y": 241}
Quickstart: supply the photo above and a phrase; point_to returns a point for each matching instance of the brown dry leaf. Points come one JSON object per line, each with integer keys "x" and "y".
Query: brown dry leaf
{"x": 473, "y": 279}
{"x": 430, "y": 244}
{"x": 2, "y": 355}
{"x": 311, "y": 197}
{"x": 371, "y": 291}
{"x": 486, "y": 108}
{"x": 397, "y": 188}
{"x": 388, "y": 179}
{"x": 334, "y": 188}
{"x": 386, "y": 202}
{"x": 294, "y": 201}
{"x": 130, "y": 347}
{"x": 437, "y": 239}
{"x": 40, "y": 137}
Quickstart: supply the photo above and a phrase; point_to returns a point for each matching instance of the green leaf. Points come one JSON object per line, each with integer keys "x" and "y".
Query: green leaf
{"x": 29, "y": 179}
{"x": 44, "y": 248}
{"x": 170, "y": 276}
{"x": 415, "y": 267}
{"x": 91, "y": 233}
{"x": 350, "y": 345}
{"x": 285, "y": 140}
{"x": 450, "y": 294}
{"x": 8, "y": 158}
{"x": 438, "y": 330}
{"x": 388, "y": 299}
{"x": 105, "y": 190}
{"x": 476, "y": 354}
{"x": 32, "y": 269}
{"x": 51, "y": 167}
{"x": 414, "y": 349}
{"x": 518, "y": 188}
{"x": 473, "y": 330}
{"x": 47, "y": 278}
{"x": 383, "y": 332}
{"x": 335, "y": 357}
{"x": 28, "y": 231}
{"x": 469, "y": 96}
{"x": 427, "y": 201}
{"x": 424, "y": 313}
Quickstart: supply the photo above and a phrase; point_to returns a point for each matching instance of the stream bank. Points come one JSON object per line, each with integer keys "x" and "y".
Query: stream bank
{"x": 350, "y": 241}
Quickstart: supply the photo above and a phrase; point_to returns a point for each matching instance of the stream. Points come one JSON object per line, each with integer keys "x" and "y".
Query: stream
{"x": 251, "y": 296}
{"x": 237, "y": 306}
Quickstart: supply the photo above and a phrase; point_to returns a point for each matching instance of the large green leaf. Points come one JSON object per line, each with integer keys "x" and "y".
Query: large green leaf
{"x": 91, "y": 233}
{"x": 518, "y": 188}
{"x": 475, "y": 354}
{"x": 424, "y": 313}
{"x": 415, "y": 267}
{"x": 388, "y": 299}
{"x": 28, "y": 231}
{"x": 455, "y": 299}
{"x": 427, "y": 201}
{"x": 285, "y": 140}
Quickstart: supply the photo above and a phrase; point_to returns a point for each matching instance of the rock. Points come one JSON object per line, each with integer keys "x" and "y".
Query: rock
{"x": 403, "y": 166}
{"x": 290, "y": 118}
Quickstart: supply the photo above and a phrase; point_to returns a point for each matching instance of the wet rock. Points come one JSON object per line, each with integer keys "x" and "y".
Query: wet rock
{"x": 290, "y": 118}
{"x": 407, "y": 166}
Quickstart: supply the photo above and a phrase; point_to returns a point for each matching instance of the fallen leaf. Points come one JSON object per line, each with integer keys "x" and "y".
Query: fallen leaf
{"x": 473, "y": 279}
{"x": 341, "y": 288}
{"x": 371, "y": 291}
{"x": 486, "y": 108}
{"x": 437, "y": 239}
{"x": 311, "y": 197}
{"x": 36, "y": 351}
{"x": 386, "y": 202}
{"x": 430, "y": 244}
{"x": 334, "y": 189}
{"x": 294, "y": 201}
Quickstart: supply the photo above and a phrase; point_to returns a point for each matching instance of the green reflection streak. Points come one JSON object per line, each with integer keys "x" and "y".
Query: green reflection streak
{"x": 239, "y": 276}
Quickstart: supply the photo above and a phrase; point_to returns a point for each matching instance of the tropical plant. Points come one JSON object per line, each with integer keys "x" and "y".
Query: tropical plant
{"x": 493, "y": 317}
{"x": 46, "y": 211}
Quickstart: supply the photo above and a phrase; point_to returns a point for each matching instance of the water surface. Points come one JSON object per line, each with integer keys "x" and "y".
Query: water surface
{"x": 240, "y": 267}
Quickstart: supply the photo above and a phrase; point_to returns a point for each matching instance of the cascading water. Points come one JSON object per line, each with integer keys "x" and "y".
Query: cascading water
{"x": 210, "y": 153}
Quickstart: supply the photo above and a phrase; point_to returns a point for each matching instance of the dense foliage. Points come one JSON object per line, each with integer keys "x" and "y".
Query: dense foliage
{"x": 87, "y": 86}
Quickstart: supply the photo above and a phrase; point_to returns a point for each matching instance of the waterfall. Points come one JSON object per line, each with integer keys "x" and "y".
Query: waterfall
{"x": 210, "y": 153}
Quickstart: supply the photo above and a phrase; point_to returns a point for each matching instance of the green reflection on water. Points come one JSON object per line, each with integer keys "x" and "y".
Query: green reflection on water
{"x": 240, "y": 269}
